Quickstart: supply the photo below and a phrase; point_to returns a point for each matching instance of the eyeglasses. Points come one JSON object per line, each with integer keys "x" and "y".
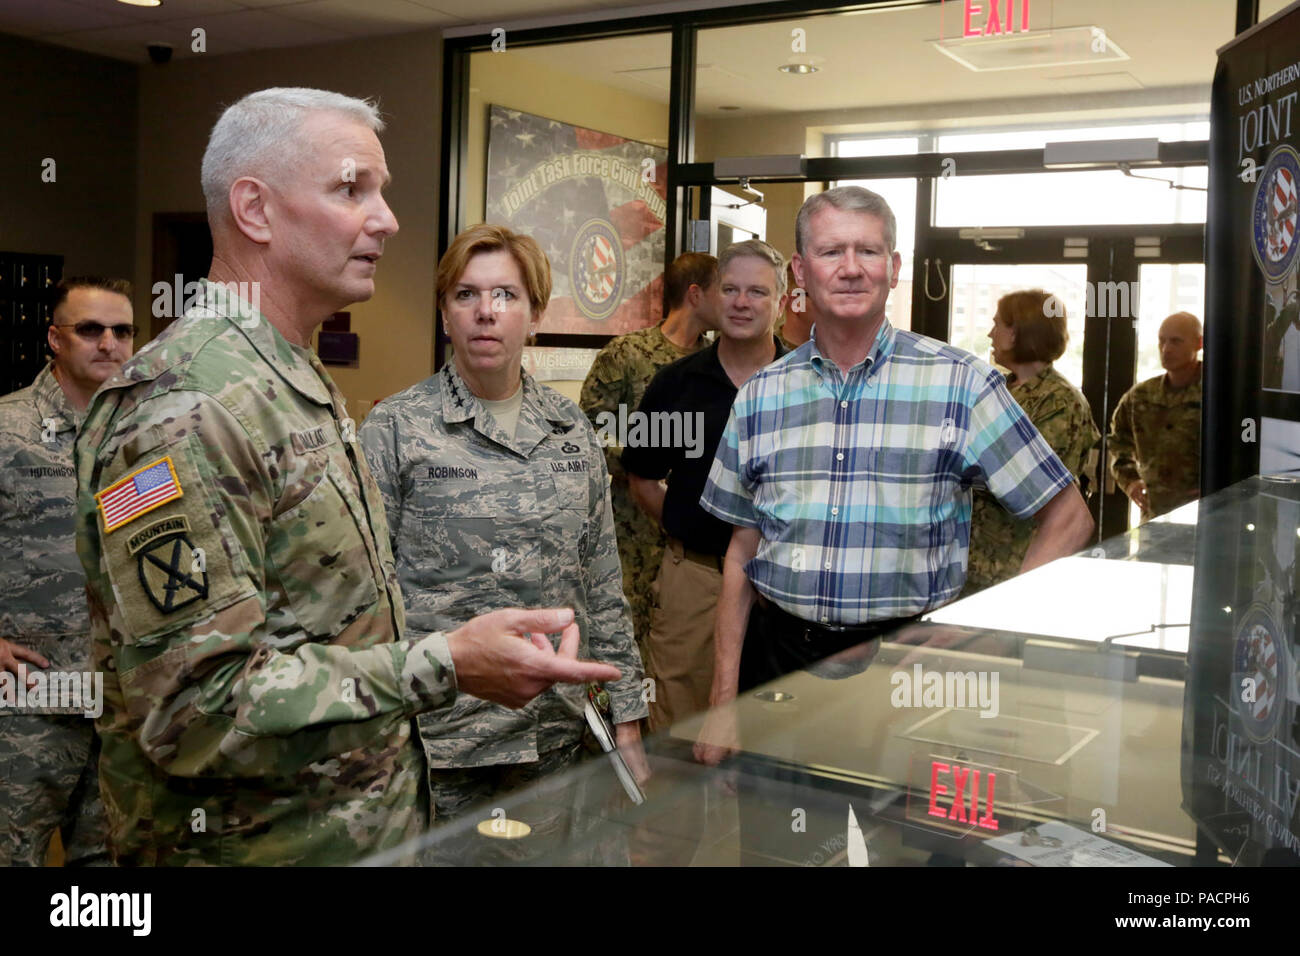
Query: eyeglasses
{"x": 93, "y": 331}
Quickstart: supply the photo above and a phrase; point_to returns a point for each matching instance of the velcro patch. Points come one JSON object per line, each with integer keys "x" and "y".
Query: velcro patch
{"x": 170, "y": 573}
{"x": 176, "y": 524}
{"x": 138, "y": 493}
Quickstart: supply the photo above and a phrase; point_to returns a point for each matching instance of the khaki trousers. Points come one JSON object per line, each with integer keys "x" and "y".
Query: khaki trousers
{"x": 679, "y": 650}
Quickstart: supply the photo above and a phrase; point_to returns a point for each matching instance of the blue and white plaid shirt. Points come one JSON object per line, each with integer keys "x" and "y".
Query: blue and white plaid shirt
{"x": 860, "y": 484}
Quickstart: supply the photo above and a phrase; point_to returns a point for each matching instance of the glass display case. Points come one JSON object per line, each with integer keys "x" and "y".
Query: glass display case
{"x": 1132, "y": 705}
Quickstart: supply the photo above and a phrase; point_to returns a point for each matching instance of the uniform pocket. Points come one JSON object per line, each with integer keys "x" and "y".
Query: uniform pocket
{"x": 318, "y": 550}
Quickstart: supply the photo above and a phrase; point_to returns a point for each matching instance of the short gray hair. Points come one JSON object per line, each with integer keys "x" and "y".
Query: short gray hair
{"x": 261, "y": 130}
{"x": 759, "y": 250}
{"x": 849, "y": 199}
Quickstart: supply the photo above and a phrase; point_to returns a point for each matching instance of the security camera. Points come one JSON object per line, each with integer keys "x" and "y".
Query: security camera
{"x": 159, "y": 52}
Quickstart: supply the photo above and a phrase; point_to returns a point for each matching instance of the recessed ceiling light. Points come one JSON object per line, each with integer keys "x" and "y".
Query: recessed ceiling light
{"x": 142, "y": 3}
{"x": 799, "y": 69}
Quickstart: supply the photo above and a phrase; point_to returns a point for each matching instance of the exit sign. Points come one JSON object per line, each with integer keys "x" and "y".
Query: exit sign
{"x": 982, "y": 18}
{"x": 959, "y": 795}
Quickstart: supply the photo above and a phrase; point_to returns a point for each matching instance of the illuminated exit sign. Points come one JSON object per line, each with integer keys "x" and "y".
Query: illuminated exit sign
{"x": 959, "y": 795}
{"x": 983, "y": 18}
{"x": 955, "y": 794}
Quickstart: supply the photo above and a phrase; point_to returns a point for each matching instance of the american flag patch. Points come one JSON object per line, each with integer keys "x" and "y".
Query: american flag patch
{"x": 139, "y": 492}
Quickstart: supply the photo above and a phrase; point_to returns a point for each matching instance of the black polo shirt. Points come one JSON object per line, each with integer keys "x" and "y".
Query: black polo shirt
{"x": 695, "y": 384}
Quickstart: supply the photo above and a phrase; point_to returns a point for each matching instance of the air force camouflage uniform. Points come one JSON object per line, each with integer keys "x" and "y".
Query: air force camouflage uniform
{"x": 482, "y": 520}
{"x": 258, "y": 689}
{"x": 619, "y": 376}
{"x": 1061, "y": 414}
{"x": 48, "y": 778}
{"x": 1155, "y": 435}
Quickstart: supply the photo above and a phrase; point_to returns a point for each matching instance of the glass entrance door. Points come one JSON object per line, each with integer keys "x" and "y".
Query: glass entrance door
{"x": 1117, "y": 283}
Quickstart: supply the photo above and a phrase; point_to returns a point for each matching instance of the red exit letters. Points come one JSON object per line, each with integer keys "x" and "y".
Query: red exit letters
{"x": 1001, "y": 17}
{"x": 962, "y": 810}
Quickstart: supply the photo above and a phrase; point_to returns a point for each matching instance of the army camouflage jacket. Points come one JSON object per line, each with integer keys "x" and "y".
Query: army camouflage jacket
{"x": 1155, "y": 435}
{"x": 481, "y": 521}
{"x": 42, "y": 586}
{"x": 1062, "y": 416}
{"x": 620, "y": 374}
{"x": 257, "y": 687}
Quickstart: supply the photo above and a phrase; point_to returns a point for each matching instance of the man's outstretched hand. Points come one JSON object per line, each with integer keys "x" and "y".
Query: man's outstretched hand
{"x": 506, "y": 657}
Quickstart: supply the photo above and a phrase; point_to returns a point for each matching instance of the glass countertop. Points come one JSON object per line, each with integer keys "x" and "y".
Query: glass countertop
{"x": 1132, "y": 705}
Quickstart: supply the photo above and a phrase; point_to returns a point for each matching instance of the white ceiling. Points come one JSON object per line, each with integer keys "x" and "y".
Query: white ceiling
{"x": 886, "y": 58}
{"x": 117, "y": 30}
{"x": 881, "y": 58}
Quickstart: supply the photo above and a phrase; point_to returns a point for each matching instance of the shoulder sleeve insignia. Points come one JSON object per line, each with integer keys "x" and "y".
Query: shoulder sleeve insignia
{"x": 138, "y": 493}
{"x": 171, "y": 573}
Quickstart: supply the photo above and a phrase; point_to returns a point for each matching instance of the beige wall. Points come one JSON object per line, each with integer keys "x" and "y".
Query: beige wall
{"x": 180, "y": 102}
{"x": 78, "y": 110}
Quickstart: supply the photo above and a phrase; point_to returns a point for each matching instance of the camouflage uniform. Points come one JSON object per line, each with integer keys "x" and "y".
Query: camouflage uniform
{"x": 1155, "y": 435}
{"x": 481, "y": 520}
{"x": 619, "y": 376}
{"x": 48, "y": 778}
{"x": 250, "y": 629}
{"x": 1061, "y": 414}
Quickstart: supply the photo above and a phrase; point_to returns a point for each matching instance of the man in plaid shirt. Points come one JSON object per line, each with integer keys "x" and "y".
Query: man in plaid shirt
{"x": 846, "y": 470}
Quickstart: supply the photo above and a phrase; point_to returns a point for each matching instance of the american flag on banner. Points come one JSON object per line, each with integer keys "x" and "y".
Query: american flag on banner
{"x": 142, "y": 490}
{"x": 596, "y": 204}
{"x": 1283, "y": 218}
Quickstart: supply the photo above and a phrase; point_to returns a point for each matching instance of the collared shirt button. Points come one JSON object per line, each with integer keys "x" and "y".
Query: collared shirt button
{"x": 844, "y": 404}
{"x": 828, "y": 567}
{"x": 835, "y": 511}
{"x": 839, "y": 456}
{"x": 824, "y": 619}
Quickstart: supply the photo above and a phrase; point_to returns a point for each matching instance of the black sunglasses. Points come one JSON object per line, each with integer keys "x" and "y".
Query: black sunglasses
{"x": 93, "y": 331}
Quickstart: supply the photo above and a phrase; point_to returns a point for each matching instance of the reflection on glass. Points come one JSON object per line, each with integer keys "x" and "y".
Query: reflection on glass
{"x": 1053, "y": 736}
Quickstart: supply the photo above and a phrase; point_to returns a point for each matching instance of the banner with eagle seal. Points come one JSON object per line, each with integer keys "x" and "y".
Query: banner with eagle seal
{"x": 596, "y": 204}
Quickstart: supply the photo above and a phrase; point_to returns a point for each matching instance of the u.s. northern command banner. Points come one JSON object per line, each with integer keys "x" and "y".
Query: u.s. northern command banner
{"x": 596, "y": 203}
{"x": 1241, "y": 720}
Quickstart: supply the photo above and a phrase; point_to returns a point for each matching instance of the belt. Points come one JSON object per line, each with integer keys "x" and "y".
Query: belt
{"x": 810, "y": 631}
{"x": 711, "y": 561}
